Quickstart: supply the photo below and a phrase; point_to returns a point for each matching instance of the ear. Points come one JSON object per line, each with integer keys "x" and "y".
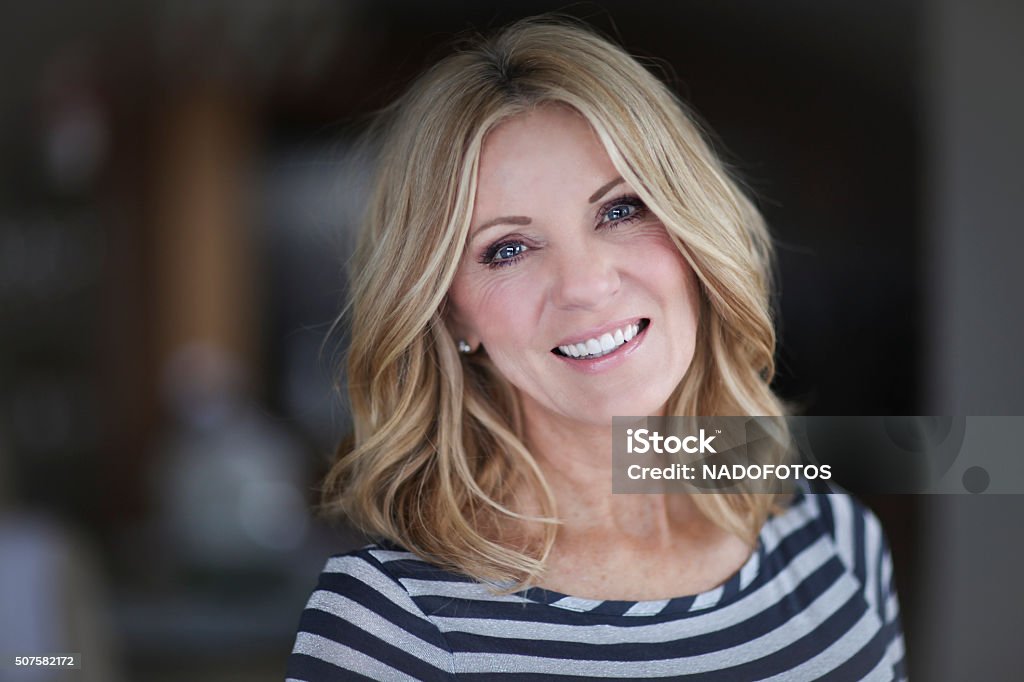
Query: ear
{"x": 459, "y": 328}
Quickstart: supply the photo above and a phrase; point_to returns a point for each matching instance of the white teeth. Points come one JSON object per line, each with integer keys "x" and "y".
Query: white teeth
{"x": 594, "y": 348}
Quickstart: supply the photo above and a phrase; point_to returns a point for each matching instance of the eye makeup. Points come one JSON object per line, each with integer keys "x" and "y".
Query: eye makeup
{"x": 631, "y": 200}
{"x": 503, "y": 252}
{"x": 613, "y": 213}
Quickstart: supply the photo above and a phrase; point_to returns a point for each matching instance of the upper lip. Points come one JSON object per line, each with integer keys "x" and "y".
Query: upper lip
{"x": 596, "y": 332}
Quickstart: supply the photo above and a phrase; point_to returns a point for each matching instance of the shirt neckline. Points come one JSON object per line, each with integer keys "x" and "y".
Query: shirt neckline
{"x": 736, "y": 585}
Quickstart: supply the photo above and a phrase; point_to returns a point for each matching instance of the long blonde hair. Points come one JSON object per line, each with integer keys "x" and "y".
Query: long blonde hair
{"x": 438, "y": 438}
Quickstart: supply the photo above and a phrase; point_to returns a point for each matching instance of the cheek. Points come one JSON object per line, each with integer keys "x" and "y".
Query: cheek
{"x": 675, "y": 269}
{"x": 688, "y": 298}
{"x": 493, "y": 306}
{"x": 662, "y": 264}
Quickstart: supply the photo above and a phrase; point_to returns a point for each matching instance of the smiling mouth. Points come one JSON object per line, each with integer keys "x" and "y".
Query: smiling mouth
{"x": 603, "y": 345}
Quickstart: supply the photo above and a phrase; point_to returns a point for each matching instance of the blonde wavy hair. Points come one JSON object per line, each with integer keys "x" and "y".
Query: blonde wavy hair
{"x": 438, "y": 444}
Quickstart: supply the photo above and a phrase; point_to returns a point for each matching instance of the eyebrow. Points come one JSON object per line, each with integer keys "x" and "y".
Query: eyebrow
{"x": 603, "y": 189}
{"x": 524, "y": 220}
{"x": 505, "y": 220}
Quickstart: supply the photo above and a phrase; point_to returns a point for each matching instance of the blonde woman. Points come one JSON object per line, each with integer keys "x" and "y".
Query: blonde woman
{"x": 550, "y": 243}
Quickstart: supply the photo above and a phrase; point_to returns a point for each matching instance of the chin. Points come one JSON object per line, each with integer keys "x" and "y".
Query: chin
{"x": 601, "y": 414}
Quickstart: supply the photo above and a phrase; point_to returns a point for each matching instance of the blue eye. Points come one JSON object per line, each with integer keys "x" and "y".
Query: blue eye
{"x": 504, "y": 253}
{"x": 508, "y": 251}
{"x": 621, "y": 210}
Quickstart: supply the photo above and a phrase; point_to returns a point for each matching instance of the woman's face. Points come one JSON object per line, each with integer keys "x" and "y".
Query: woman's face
{"x": 571, "y": 284}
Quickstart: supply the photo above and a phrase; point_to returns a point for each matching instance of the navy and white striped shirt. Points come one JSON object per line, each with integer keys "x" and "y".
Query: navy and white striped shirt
{"x": 815, "y": 601}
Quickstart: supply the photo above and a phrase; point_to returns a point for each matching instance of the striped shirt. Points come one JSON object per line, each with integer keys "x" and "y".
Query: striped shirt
{"x": 815, "y": 601}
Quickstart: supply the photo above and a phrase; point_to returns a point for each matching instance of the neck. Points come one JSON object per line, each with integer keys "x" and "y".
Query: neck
{"x": 577, "y": 463}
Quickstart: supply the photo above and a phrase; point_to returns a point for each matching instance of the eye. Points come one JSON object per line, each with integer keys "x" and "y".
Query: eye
{"x": 509, "y": 251}
{"x": 621, "y": 210}
{"x": 503, "y": 253}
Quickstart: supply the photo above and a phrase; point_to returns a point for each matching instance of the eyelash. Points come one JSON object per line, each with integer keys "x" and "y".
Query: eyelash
{"x": 639, "y": 212}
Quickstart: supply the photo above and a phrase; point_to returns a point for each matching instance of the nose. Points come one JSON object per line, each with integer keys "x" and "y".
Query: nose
{"x": 586, "y": 278}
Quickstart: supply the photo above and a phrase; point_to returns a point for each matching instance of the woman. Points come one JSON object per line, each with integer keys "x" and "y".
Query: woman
{"x": 551, "y": 243}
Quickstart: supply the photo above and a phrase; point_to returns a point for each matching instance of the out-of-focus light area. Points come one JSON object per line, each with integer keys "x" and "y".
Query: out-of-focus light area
{"x": 178, "y": 201}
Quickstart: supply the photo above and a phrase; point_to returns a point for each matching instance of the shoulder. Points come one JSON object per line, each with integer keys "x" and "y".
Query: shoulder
{"x": 830, "y": 538}
{"x": 831, "y": 511}
{"x": 361, "y": 619}
{"x": 834, "y": 525}
{"x": 853, "y": 528}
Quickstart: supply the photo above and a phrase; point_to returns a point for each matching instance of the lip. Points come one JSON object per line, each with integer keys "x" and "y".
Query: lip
{"x": 613, "y": 359}
{"x": 596, "y": 332}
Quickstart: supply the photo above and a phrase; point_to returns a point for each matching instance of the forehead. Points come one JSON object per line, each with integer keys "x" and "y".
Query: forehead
{"x": 548, "y": 149}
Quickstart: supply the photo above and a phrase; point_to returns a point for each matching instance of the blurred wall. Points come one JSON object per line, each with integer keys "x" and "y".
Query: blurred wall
{"x": 973, "y": 613}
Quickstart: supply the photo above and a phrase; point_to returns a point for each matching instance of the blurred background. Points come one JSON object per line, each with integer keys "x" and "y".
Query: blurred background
{"x": 177, "y": 204}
